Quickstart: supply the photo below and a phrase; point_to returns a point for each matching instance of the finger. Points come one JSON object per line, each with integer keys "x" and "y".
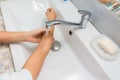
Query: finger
{"x": 48, "y": 10}
{"x": 43, "y": 30}
{"x": 52, "y": 10}
{"x": 39, "y": 31}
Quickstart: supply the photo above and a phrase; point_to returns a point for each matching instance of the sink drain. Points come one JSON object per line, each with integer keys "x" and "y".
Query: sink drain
{"x": 56, "y": 46}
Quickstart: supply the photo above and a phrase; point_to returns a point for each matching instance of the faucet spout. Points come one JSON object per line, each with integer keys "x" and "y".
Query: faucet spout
{"x": 57, "y": 22}
{"x": 85, "y": 18}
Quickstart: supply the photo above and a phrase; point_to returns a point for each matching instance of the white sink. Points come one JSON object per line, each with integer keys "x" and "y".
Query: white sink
{"x": 72, "y": 62}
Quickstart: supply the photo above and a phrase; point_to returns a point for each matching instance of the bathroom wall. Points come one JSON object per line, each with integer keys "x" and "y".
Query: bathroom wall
{"x": 102, "y": 19}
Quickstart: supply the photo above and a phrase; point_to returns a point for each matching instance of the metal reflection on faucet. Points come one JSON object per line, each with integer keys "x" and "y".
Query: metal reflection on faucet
{"x": 84, "y": 19}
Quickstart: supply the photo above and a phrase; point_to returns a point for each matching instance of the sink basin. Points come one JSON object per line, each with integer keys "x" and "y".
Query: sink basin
{"x": 72, "y": 62}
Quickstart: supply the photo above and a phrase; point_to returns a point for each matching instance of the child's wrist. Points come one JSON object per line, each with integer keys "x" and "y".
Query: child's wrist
{"x": 26, "y": 36}
{"x": 50, "y": 19}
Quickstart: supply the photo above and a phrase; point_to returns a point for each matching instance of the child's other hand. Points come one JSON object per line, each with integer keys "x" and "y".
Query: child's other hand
{"x": 35, "y": 35}
{"x": 51, "y": 14}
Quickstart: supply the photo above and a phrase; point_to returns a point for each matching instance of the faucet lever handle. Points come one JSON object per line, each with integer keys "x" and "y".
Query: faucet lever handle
{"x": 85, "y": 17}
{"x": 85, "y": 12}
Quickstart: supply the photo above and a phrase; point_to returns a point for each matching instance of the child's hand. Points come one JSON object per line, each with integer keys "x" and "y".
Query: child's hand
{"x": 35, "y": 35}
{"x": 47, "y": 40}
{"x": 51, "y": 14}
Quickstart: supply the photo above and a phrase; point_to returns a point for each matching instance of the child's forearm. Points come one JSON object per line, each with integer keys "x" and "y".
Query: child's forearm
{"x": 36, "y": 60}
{"x": 7, "y": 37}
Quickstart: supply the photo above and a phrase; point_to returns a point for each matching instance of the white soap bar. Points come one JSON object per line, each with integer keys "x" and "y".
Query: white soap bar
{"x": 107, "y": 45}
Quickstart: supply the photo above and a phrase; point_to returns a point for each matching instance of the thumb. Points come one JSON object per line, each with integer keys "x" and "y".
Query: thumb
{"x": 39, "y": 31}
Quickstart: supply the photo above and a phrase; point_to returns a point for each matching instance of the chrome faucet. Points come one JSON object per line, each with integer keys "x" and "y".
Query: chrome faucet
{"x": 84, "y": 19}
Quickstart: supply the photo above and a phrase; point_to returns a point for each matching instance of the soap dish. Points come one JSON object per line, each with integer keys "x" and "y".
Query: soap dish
{"x": 105, "y": 47}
